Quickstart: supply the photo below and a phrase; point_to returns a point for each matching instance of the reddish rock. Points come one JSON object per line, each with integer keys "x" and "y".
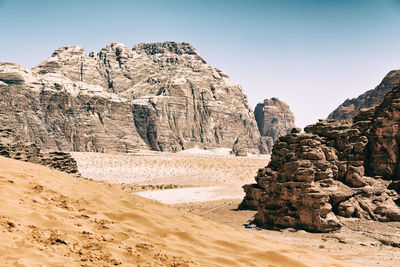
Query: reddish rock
{"x": 315, "y": 176}
{"x": 383, "y": 148}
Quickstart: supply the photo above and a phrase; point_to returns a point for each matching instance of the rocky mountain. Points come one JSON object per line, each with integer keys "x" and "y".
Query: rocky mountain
{"x": 159, "y": 96}
{"x": 274, "y": 119}
{"x": 347, "y": 168}
{"x": 371, "y": 98}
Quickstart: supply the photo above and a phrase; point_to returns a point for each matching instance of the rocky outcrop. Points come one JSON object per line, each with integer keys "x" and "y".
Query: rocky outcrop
{"x": 371, "y": 98}
{"x": 12, "y": 146}
{"x": 240, "y": 147}
{"x": 274, "y": 119}
{"x": 383, "y": 153}
{"x": 160, "y": 96}
{"x": 336, "y": 168}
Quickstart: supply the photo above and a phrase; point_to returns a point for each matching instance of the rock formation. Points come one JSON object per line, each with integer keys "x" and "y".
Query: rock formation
{"x": 371, "y": 98}
{"x": 274, "y": 119}
{"x": 336, "y": 168}
{"x": 159, "y": 96}
{"x": 12, "y": 146}
{"x": 383, "y": 154}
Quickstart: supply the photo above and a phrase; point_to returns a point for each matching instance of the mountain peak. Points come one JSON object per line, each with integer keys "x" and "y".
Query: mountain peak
{"x": 179, "y": 48}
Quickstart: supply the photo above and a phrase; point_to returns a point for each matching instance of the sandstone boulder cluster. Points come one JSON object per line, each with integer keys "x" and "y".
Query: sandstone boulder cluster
{"x": 12, "y": 146}
{"x": 158, "y": 96}
{"x": 336, "y": 168}
{"x": 274, "y": 119}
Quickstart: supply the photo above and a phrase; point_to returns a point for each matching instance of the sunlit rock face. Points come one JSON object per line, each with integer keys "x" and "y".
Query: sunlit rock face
{"x": 159, "y": 96}
{"x": 274, "y": 119}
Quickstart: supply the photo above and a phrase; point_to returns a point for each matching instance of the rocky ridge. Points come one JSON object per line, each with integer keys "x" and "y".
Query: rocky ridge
{"x": 274, "y": 119}
{"x": 12, "y": 146}
{"x": 159, "y": 96}
{"x": 335, "y": 169}
{"x": 371, "y": 98}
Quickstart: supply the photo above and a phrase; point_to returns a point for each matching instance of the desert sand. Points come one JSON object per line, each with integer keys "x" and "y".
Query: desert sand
{"x": 194, "y": 194}
{"x": 364, "y": 242}
{"x": 203, "y": 175}
{"x": 49, "y": 218}
{"x": 357, "y": 241}
{"x": 192, "y": 167}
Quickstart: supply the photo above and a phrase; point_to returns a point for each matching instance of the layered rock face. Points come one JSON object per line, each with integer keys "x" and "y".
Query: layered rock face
{"x": 336, "y": 168}
{"x": 274, "y": 119}
{"x": 371, "y": 98}
{"x": 12, "y": 146}
{"x": 160, "y": 96}
{"x": 383, "y": 154}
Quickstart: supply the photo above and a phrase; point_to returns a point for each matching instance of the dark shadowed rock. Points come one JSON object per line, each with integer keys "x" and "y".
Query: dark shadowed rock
{"x": 383, "y": 157}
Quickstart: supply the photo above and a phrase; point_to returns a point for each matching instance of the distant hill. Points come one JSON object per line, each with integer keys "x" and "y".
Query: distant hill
{"x": 371, "y": 98}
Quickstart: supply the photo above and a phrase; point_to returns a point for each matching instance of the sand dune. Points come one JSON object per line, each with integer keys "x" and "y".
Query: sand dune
{"x": 48, "y": 218}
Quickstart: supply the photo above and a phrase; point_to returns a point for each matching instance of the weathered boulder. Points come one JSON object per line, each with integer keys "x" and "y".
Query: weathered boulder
{"x": 371, "y": 98}
{"x": 159, "y": 96}
{"x": 240, "y": 147}
{"x": 315, "y": 176}
{"x": 274, "y": 119}
{"x": 12, "y": 146}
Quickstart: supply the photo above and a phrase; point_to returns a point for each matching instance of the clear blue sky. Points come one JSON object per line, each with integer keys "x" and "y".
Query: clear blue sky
{"x": 313, "y": 54}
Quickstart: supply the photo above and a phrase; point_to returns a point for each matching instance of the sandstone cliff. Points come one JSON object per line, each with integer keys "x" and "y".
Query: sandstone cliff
{"x": 343, "y": 168}
{"x": 371, "y": 98}
{"x": 159, "y": 96}
{"x": 274, "y": 119}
